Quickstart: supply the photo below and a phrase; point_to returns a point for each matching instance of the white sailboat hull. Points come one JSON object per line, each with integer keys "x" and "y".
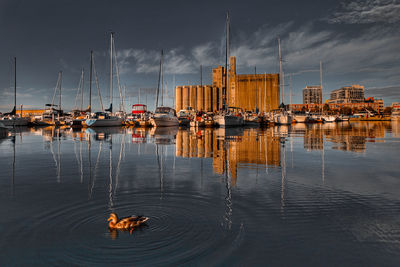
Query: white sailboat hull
{"x": 15, "y": 121}
{"x": 114, "y": 121}
{"x": 228, "y": 120}
{"x": 329, "y": 118}
{"x": 165, "y": 121}
{"x": 283, "y": 119}
{"x": 301, "y": 118}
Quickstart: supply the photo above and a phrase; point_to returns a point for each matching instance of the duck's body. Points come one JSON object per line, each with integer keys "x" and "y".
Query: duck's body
{"x": 128, "y": 223}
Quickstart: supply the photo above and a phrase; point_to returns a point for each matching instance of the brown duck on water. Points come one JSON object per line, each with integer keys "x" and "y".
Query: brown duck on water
{"x": 128, "y": 223}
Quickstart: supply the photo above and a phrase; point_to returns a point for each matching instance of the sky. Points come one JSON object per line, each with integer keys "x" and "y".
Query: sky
{"x": 357, "y": 41}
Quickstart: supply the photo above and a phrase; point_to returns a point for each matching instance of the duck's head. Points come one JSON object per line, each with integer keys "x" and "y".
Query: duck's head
{"x": 113, "y": 217}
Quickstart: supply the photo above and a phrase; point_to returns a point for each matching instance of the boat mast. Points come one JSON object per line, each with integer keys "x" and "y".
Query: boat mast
{"x": 159, "y": 79}
{"x": 225, "y": 93}
{"x": 82, "y": 87}
{"x": 90, "y": 80}
{"x": 97, "y": 85}
{"x": 15, "y": 83}
{"x": 60, "y": 89}
{"x": 281, "y": 78}
{"x": 291, "y": 88}
{"x": 320, "y": 77}
{"x": 121, "y": 102}
{"x": 162, "y": 78}
{"x": 111, "y": 68}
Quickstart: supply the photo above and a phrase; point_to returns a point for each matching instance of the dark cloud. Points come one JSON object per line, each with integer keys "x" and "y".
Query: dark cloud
{"x": 367, "y": 11}
{"x": 392, "y": 92}
{"x": 357, "y": 42}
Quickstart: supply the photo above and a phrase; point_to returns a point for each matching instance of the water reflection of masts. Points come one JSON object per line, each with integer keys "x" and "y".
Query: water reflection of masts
{"x": 110, "y": 190}
{"x": 95, "y": 170}
{"x": 57, "y": 162}
{"x": 79, "y": 159}
{"x": 323, "y": 160}
{"x": 291, "y": 150}
{"x": 160, "y": 169}
{"x": 90, "y": 164}
{"x": 266, "y": 151}
{"x": 121, "y": 153}
{"x": 228, "y": 185}
{"x": 13, "y": 167}
{"x": 59, "y": 156}
{"x": 283, "y": 176}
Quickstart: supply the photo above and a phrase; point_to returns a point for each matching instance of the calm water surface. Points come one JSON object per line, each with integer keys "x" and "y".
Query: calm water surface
{"x": 315, "y": 195}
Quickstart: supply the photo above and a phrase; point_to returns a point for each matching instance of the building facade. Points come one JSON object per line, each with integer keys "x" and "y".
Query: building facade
{"x": 377, "y": 106}
{"x": 348, "y": 94}
{"x": 312, "y": 95}
{"x": 253, "y": 92}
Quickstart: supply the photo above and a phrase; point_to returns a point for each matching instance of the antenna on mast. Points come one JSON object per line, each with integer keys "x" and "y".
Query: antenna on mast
{"x": 111, "y": 68}
{"x": 320, "y": 77}
{"x": 281, "y": 77}
{"x": 90, "y": 80}
{"x": 225, "y": 91}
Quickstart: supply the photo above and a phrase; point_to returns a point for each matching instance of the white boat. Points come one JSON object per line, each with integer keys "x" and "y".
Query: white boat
{"x": 329, "y": 118}
{"x": 14, "y": 121}
{"x": 11, "y": 119}
{"x": 102, "y": 119}
{"x": 300, "y": 118}
{"x": 251, "y": 119}
{"x": 283, "y": 118}
{"x": 230, "y": 118}
{"x": 164, "y": 117}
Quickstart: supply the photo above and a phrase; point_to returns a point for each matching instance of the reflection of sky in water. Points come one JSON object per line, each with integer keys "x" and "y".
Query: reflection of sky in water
{"x": 323, "y": 193}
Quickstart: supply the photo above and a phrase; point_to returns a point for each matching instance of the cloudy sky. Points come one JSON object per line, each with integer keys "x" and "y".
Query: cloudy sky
{"x": 358, "y": 42}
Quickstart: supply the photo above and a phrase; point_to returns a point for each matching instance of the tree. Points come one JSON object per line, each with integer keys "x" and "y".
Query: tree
{"x": 387, "y": 110}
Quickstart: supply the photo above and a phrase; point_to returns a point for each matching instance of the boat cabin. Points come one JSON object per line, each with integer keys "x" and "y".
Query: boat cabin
{"x": 139, "y": 109}
{"x": 165, "y": 110}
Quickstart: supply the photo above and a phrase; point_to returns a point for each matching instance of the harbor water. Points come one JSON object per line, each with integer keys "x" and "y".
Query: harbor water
{"x": 314, "y": 195}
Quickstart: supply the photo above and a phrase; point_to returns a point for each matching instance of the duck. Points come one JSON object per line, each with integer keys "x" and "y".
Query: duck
{"x": 127, "y": 223}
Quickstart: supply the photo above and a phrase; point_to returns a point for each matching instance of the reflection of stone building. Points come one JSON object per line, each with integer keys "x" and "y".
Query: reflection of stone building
{"x": 355, "y": 136}
{"x": 246, "y": 91}
{"x": 313, "y": 139}
{"x": 395, "y": 128}
{"x": 350, "y": 137}
{"x": 229, "y": 152}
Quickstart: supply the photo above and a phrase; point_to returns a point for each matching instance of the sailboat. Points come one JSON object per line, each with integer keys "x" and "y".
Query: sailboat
{"x": 10, "y": 118}
{"x": 283, "y": 117}
{"x": 163, "y": 116}
{"x": 229, "y": 116}
{"x": 104, "y": 119}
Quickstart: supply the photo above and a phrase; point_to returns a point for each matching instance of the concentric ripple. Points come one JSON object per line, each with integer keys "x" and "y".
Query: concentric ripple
{"x": 182, "y": 227}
